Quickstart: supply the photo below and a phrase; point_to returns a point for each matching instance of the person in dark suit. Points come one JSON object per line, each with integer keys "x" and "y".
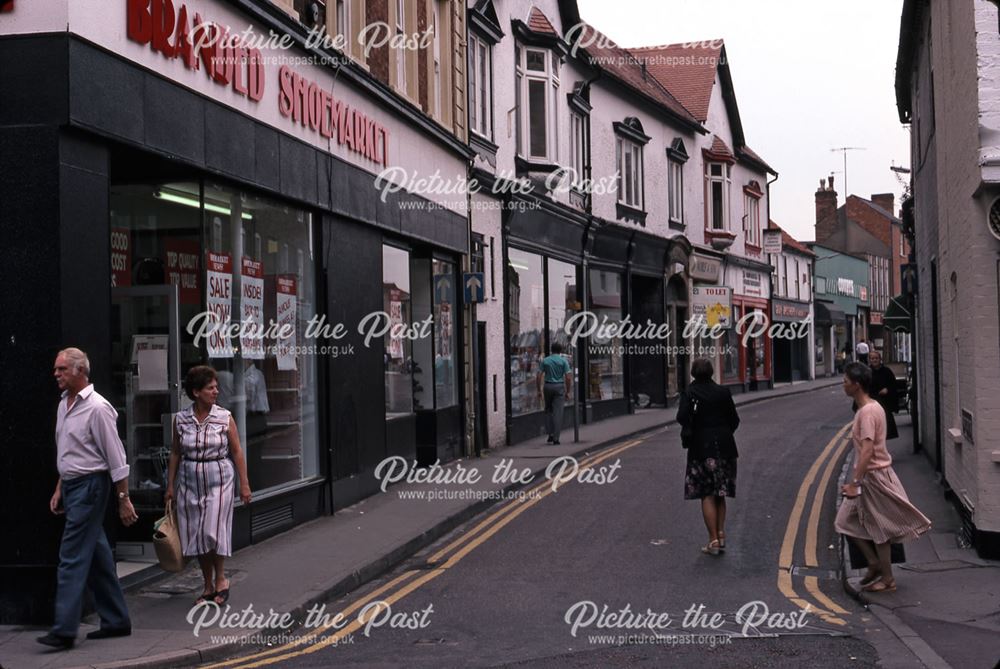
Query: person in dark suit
{"x": 883, "y": 391}
{"x": 708, "y": 419}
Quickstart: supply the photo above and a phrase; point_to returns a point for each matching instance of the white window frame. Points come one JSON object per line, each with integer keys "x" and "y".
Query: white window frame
{"x": 631, "y": 187}
{"x": 480, "y": 88}
{"x": 675, "y": 188}
{"x": 751, "y": 207}
{"x": 726, "y": 179}
{"x": 523, "y": 79}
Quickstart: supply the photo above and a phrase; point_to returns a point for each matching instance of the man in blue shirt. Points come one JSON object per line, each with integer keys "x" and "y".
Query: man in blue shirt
{"x": 554, "y": 383}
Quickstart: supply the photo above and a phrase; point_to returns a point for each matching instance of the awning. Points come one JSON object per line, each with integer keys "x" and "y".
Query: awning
{"x": 897, "y": 316}
{"x": 828, "y": 314}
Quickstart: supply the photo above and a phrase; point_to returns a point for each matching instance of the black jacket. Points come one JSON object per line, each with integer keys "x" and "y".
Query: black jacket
{"x": 708, "y": 410}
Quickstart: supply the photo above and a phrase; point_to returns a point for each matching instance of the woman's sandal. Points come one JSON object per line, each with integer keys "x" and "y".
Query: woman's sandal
{"x": 712, "y": 548}
{"x": 881, "y": 586}
{"x": 223, "y": 595}
{"x": 205, "y": 598}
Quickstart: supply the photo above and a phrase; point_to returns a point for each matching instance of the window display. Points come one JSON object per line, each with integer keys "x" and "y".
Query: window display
{"x": 526, "y": 309}
{"x": 402, "y": 374}
{"x": 564, "y": 303}
{"x": 606, "y": 366}
{"x": 445, "y": 367}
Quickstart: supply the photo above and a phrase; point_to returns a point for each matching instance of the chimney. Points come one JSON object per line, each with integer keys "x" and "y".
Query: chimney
{"x": 885, "y": 200}
{"x": 826, "y": 210}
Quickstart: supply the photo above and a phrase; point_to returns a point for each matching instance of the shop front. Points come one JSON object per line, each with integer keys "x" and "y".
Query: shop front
{"x": 161, "y": 200}
{"x": 792, "y": 352}
{"x": 560, "y": 264}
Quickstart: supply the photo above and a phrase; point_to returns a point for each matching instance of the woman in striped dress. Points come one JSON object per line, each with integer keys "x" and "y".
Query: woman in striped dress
{"x": 876, "y": 511}
{"x": 206, "y": 446}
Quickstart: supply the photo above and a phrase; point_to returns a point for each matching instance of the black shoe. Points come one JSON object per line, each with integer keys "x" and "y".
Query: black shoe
{"x": 550, "y": 440}
{"x": 109, "y": 632}
{"x": 56, "y": 641}
{"x": 555, "y": 442}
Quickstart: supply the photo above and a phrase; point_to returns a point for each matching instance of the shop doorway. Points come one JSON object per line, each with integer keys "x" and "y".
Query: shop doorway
{"x": 647, "y": 362}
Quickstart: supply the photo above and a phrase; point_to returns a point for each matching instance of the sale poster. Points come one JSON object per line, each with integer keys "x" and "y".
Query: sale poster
{"x": 183, "y": 268}
{"x": 121, "y": 257}
{"x": 219, "y": 301}
{"x": 286, "y": 306}
{"x": 395, "y": 320}
{"x": 252, "y": 306}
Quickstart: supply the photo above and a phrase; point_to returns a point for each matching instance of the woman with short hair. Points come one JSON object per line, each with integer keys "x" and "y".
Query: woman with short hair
{"x": 708, "y": 419}
{"x": 206, "y": 446}
{"x": 876, "y": 512}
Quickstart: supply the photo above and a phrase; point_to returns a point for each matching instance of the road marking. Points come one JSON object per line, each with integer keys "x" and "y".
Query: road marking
{"x": 792, "y": 529}
{"x": 812, "y": 585}
{"x": 785, "y": 585}
{"x": 812, "y": 526}
{"x": 502, "y": 518}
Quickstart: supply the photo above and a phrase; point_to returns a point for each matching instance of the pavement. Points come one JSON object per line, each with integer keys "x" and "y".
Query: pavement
{"x": 328, "y": 557}
{"x": 946, "y": 608}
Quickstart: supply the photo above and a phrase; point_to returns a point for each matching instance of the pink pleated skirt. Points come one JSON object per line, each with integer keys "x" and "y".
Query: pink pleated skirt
{"x": 882, "y": 513}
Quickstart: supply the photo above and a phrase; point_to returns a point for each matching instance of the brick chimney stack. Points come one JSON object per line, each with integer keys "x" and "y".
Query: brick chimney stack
{"x": 885, "y": 200}
{"x": 826, "y": 210}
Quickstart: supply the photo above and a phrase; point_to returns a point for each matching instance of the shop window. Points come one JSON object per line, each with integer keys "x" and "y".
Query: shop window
{"x": 204, "y": 245}
{"x": 399, "y": 363}
{"x": 731, "y": 354}
{"x": 445, "y": 357}
{"x": 421, "y": 300}
{"x": 564, "y": 303}
{"x": 605, "y": 377}
{"x": 526, "y": 315}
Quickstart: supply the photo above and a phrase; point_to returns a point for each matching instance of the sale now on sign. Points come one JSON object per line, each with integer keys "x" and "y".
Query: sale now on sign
{"x": 219, "y": 300}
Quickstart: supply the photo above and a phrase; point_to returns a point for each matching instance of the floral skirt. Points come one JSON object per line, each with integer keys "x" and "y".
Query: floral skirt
{"x": 710, "y": 477}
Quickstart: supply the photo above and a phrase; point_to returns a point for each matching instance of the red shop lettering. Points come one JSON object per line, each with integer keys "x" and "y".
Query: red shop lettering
{"x": 175, "y": 35}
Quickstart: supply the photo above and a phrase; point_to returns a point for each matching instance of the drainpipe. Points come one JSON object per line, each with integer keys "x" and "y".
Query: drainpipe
{"x": 770, "y": 275}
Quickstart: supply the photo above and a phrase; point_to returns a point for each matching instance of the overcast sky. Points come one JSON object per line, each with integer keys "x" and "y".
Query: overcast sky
{"x": 809, "y": 76}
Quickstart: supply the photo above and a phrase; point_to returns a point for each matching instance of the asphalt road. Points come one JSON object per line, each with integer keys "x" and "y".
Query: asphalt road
{"x": 530, "y": 583}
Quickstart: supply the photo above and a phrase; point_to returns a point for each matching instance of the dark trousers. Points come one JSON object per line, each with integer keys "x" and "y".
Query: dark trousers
{"x": 555, "y": 401}
{"x": 85, "y": 559}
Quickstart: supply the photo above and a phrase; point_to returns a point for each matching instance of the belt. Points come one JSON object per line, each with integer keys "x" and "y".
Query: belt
{"x": 203, "y": 460}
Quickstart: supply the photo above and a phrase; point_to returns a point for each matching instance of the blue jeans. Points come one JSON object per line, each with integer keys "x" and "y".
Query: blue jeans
{"x": 85, "y": 558}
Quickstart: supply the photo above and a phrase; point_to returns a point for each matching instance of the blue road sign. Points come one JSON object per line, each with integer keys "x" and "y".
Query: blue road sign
{"x": 474, "y": 287}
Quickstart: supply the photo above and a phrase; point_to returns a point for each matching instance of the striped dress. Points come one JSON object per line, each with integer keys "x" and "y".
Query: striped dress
{"x": 205, "y": 483}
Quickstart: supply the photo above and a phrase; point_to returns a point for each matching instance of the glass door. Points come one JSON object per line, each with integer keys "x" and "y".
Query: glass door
{"x": 145, "y": 359}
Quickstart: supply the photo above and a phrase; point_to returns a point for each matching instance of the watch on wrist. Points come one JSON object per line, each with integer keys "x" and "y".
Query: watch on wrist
{"x": 122, "y": 496}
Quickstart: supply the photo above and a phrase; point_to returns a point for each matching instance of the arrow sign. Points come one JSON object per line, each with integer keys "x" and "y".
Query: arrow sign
{"x": 473, "y": 284}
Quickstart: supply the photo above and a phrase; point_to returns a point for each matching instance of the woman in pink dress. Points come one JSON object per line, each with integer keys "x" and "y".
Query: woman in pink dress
{"x": 876, "y": 511}
{"x": 206, "y": 446}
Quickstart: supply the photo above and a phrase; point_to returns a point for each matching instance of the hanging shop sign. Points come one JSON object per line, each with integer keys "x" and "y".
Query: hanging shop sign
{"x": 772, "y": 242}
{"x": 219, "y": 301}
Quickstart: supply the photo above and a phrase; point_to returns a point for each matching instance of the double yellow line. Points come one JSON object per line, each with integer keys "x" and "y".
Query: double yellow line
{"x": 829, "y": 611}
{"x": 458, "y": 549}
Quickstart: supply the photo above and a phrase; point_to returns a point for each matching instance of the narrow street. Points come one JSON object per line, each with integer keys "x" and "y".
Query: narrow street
{"x": 499, "y": 591}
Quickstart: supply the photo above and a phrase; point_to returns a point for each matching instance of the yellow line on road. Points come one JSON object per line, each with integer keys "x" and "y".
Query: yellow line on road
{"x": 501, "y": 518}
{"x": 792, "y": 529}
{"x": 785, "y": 557}
{"x": 812, "y": 585}
{"x": 812, "y": 526}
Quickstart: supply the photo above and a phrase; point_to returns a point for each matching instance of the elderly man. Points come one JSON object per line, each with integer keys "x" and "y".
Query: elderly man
{"x": 89, "y": 458}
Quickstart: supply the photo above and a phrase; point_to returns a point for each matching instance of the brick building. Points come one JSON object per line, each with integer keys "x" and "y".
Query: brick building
{"x": 955, "y": 152}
